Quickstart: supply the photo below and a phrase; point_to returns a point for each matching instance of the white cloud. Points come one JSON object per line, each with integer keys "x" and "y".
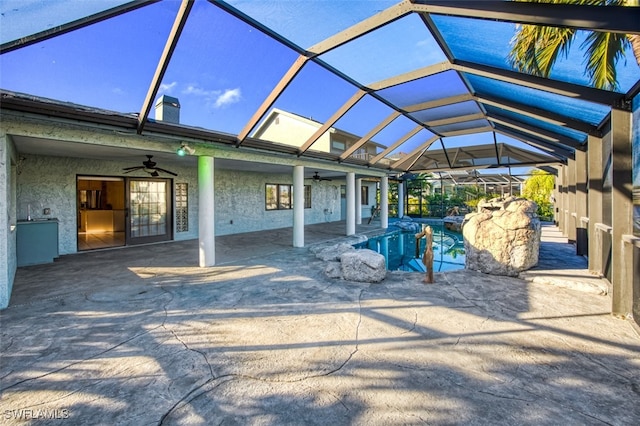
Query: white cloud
{"x": 197, "y": 91}
{"x": 168, "y": 87}
{"x": 230, "y": 96}
{"x": 214, "y": 98}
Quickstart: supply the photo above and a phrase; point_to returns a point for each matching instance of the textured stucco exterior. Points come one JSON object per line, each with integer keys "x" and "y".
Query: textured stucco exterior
{"x": 50, "y": 182}
{"x": 240, "y": 197}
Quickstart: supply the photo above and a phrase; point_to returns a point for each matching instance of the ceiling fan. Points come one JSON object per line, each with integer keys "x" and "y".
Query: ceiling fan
{"x": 317, "y": 178}
{"x": 149, "y": 166}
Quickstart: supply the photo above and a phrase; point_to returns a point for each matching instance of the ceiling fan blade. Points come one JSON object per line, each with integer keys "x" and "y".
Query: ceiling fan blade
{"x": 166, "y": 171}
{"x": 154, "y": 173}
{"x": 133, "y": 168}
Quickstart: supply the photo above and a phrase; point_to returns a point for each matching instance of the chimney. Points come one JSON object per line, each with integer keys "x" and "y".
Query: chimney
{"x": 168, "y": 109}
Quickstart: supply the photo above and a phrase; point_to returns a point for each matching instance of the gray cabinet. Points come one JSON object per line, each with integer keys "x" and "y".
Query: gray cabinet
{"x": 37, "y": 242}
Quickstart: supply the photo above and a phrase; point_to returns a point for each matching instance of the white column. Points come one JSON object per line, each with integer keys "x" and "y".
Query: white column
{"x": 401, "y": 199}
{"x": 358, "y": 201}
{"x": 298, "y": 206}
{"x": 8, "y": 250}
{"x": 206, "y": 221}
{"x": 351, "y": 203}
{"x": 384, "y": 202}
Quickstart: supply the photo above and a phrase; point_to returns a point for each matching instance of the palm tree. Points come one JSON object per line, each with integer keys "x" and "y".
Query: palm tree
{"x": 535, "y": 48}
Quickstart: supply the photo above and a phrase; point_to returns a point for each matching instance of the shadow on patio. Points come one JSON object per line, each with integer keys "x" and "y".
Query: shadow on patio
{"x": 141, "y": 335}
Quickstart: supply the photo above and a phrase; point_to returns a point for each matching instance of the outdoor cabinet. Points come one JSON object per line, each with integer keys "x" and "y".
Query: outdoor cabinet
{"x": 37, "y": 242}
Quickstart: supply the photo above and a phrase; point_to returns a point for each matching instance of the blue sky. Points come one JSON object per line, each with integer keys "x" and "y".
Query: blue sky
{"x": 223, "y": 69}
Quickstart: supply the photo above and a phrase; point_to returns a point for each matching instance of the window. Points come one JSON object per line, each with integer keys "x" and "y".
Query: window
{"x": 280, "y": 197}
{"x": 182, "y": 210}
{"x": 337, "y": 146}
{"x": 284, "y": 197}
{"x": 364, "y": 195}
{"x": 307, "y": 196}
{"x": 271, "y": 197}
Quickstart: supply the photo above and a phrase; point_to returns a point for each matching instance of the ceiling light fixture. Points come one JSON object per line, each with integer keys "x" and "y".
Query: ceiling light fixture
{"x": 185, "y": 150}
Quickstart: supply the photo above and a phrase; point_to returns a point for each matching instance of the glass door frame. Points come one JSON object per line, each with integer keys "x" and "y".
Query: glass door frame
{"x": 168, "y": 235}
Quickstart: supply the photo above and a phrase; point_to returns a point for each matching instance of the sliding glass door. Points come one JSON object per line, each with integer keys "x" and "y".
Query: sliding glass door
{"x": 149, "y": 211}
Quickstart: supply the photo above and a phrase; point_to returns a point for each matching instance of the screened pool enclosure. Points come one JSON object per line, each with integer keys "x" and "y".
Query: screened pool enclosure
{"x": 378, "y": 91}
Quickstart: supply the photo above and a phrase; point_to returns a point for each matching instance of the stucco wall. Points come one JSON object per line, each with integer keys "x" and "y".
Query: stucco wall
{"x": 50, "y": 182}
{"x": 240, "y": 197}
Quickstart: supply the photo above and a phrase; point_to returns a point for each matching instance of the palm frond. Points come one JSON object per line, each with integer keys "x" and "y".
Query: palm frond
{"x": 536, "y": 48}
{"x": 555, "y": 42}
{"x": 522, "y": 56}
{"x": 602, "y": 52}
{"x": 634, "y": 39}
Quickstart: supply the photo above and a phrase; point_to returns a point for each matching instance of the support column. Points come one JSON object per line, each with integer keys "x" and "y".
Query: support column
{"x": 565, "y": 201}
{"x": 401, "y": 199}
{"x": 384, "y": 202}
{"x": 351, "y": 203}
{"x": 8, "y": 250}
{"x": 582, "y": 239}
{"x": 206, "y": 220}
{"x": 298, "y": 206}
{"x": 560, "y": 199}
{"x": 571, "y": 198}
{"x": 595, "y": 202}
{"x": 621, "y": 213}
{"x": 358, "y": 201}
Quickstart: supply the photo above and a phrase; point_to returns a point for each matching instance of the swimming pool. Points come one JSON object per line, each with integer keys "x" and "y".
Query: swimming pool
{"x": 399, "y": 250}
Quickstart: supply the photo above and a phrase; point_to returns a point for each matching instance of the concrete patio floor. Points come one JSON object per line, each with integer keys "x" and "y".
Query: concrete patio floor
{"x": 143, "y": 336}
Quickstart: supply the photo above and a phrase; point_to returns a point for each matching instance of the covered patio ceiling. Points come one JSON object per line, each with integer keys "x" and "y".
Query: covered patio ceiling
{"x": 428, "y": 80}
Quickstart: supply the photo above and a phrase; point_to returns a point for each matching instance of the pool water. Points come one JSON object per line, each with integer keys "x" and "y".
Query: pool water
{"x": 399, "y": 250}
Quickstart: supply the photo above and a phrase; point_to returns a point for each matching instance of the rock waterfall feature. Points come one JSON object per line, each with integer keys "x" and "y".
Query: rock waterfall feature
{"x": 503, "y": 237}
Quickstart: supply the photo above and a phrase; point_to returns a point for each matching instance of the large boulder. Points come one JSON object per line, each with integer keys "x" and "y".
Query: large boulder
{"x": 453, "y": 223}
{"x": 503, "y": 237}
{"x": 333, "y": 253}
{"x": 407, "y": 224}
{"x": 333, "y": 269}
{"x": 363, "y": 265}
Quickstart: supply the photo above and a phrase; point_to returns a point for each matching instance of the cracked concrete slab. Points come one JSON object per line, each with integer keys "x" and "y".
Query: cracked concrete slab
{"x": 143, "y": 336}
